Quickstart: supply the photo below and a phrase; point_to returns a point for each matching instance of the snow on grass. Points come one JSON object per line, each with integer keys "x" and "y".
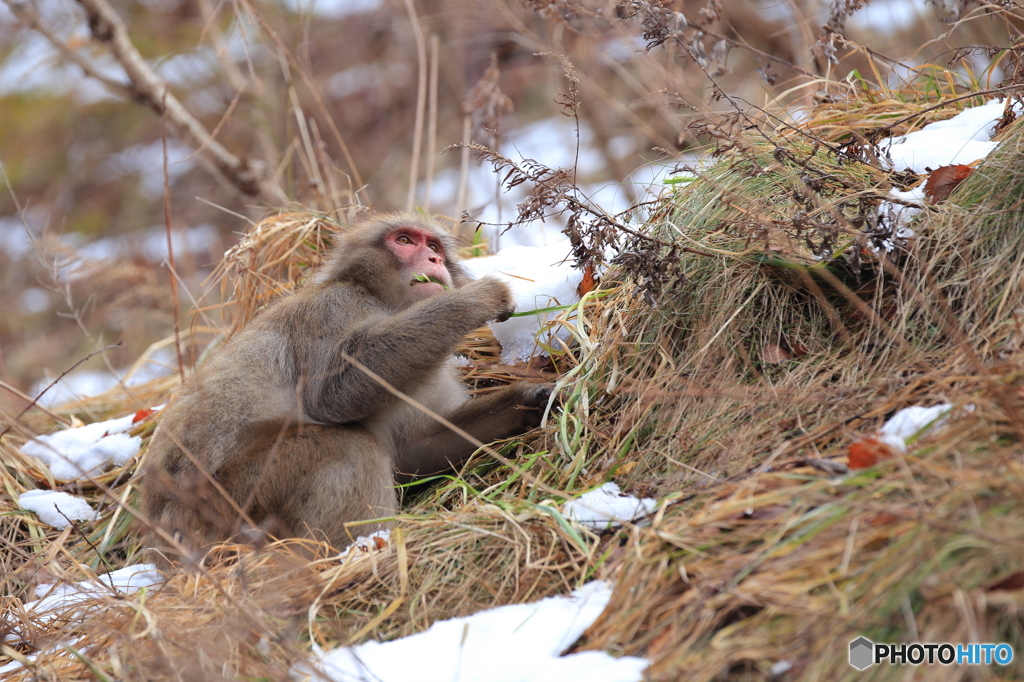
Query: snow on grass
{"x": 61, "y": 602}
{"x": 553, "y": 142}
{"x": 122, "y": 582}
{"x": 607, "y": 507}
{"x": 55, "y": 508}
{"x": 909, "y": 423}
{"x": 367, "y": 544}
{"x": 75, "y": 453}
{"x": 511, "y": 643}
{"x": 539, "y": 277}
{"x": 914, "y": 422}
{"x": 963, "y": 139}
{"x": 86, "y": 383}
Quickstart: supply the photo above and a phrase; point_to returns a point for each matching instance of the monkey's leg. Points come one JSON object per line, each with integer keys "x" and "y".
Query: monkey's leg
{"x": 325, "y": 477}
{"x": 187, "y": 512}
{"x": 515, "y": 409}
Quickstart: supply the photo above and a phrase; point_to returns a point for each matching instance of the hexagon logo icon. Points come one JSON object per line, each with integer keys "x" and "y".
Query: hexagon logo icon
{"x": 861, "y": 653}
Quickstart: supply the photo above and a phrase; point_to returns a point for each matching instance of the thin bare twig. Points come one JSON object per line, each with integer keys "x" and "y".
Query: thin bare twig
{"x": 51, "y": 385}
{"x": 147, "y": 88}
{"x": 175, "y": 300}
{"x": 421, "y": 104}
{"x": 431, "y": 122}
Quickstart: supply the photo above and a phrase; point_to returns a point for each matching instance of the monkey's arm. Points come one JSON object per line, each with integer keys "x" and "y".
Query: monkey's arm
{"x": 403, "y": 349}
{"x": 513, "y": 410}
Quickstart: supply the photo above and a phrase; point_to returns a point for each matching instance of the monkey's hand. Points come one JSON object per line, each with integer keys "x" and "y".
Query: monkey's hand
{"x": 495, "y": 298}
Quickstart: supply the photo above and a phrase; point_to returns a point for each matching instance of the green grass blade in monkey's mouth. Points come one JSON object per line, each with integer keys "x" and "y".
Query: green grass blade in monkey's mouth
{"x": 418, "y": 279}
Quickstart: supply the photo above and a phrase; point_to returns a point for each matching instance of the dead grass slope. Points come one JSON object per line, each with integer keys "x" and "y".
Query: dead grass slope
{"x": 733, "y": 400}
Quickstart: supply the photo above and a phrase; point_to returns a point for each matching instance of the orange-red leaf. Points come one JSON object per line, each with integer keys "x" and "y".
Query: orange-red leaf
{"x": 142, "y": 414}
{"x": 867, "y": 452}
{"x": 944, "y": 180}
{"x": 588, "y": 283}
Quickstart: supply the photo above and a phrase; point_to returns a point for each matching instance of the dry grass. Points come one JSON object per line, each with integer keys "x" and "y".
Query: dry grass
{"x": 758, "y": 557}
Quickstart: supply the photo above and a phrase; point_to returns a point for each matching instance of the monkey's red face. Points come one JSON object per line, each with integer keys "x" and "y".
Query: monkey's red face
{"x": 422, "y": 259}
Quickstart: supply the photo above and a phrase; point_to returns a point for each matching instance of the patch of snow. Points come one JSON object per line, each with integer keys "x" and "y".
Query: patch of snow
{"x": 539, "y": 277}
{"x": 34, "y": 300}
{"x": 914, "y": 422}
{"x": 552, "y": 142}
{"x": 34, "y": 66}
{"x": 608, "y": 507}
{"x": 74, "y": 386}
{"x": 55, "y": 508}
{"x": 506, "y": 644}
{"x": 884, "y": 17}
{"x": 85, "y": 383}
{"x": 122, "y": 582}
{"x": 15, "y": 240}
{"x": 332, "y": 9}
{"x": 187, "y": 69}
{"x": 911, "y": 421}
{"x": 621, "y": 146}
{"x": 622, "y": 47}
{"x": 354, "y": 80}
{"x": 11, "y": 666}
{"x": 901, "y": 214}
{"x": 776, "y": 10}
{"x": 66, "y": 601}
{"x": 74, "y": 453}
{"x": 147, "y": 162}
{"x": 197, "y": 240}
{"x": 963, "y": 139}
{"x": 367, "y": 544}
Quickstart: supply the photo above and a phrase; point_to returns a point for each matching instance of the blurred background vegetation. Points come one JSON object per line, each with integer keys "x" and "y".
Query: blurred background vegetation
{"x": 328, "y": 98}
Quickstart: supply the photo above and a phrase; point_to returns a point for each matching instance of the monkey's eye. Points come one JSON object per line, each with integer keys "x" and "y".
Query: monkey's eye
{"x": 403, "y": 239}
{"x": 435, "y": 248}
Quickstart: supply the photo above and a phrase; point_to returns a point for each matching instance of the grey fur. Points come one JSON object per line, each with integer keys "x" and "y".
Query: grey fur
{"x": 305, "y": 443}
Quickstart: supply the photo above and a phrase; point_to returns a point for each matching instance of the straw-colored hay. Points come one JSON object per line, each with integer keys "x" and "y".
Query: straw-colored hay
{"x": 759, "y": 560}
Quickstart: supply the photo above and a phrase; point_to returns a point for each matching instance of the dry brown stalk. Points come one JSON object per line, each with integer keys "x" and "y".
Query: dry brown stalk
{"x": 247, "y": 177}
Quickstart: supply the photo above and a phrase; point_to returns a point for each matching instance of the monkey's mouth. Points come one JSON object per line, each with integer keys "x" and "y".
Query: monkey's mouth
{"x": 426, "y": 279}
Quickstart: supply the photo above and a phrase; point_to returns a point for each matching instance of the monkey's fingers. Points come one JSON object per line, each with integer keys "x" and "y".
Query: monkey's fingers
{"x": 505, "y": 314}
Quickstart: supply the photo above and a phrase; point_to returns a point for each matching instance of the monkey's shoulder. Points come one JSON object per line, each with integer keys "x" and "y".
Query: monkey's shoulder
{"x": 335, "y": 304}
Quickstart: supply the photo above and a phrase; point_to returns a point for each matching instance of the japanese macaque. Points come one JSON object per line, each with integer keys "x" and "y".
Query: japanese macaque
{"x": 281, "y": 430}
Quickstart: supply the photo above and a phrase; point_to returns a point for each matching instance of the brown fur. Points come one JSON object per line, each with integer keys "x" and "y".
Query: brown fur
{"x": 277, "y": 429}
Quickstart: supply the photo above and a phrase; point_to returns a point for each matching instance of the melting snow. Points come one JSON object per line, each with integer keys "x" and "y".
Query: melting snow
{"x": 608, "y": 507}
{"x": 963, "y": 139}
{"x": 508, "y": 644}
{"x": 914, "y": 421}
{"x": 79, "y": 452}
{"x": 56, "y": 508}
{"x": 539, "y": 277}
{"x": 67, "y": 601}
{"x": 122, "y": 582}
{"x": 363, "y": 545}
